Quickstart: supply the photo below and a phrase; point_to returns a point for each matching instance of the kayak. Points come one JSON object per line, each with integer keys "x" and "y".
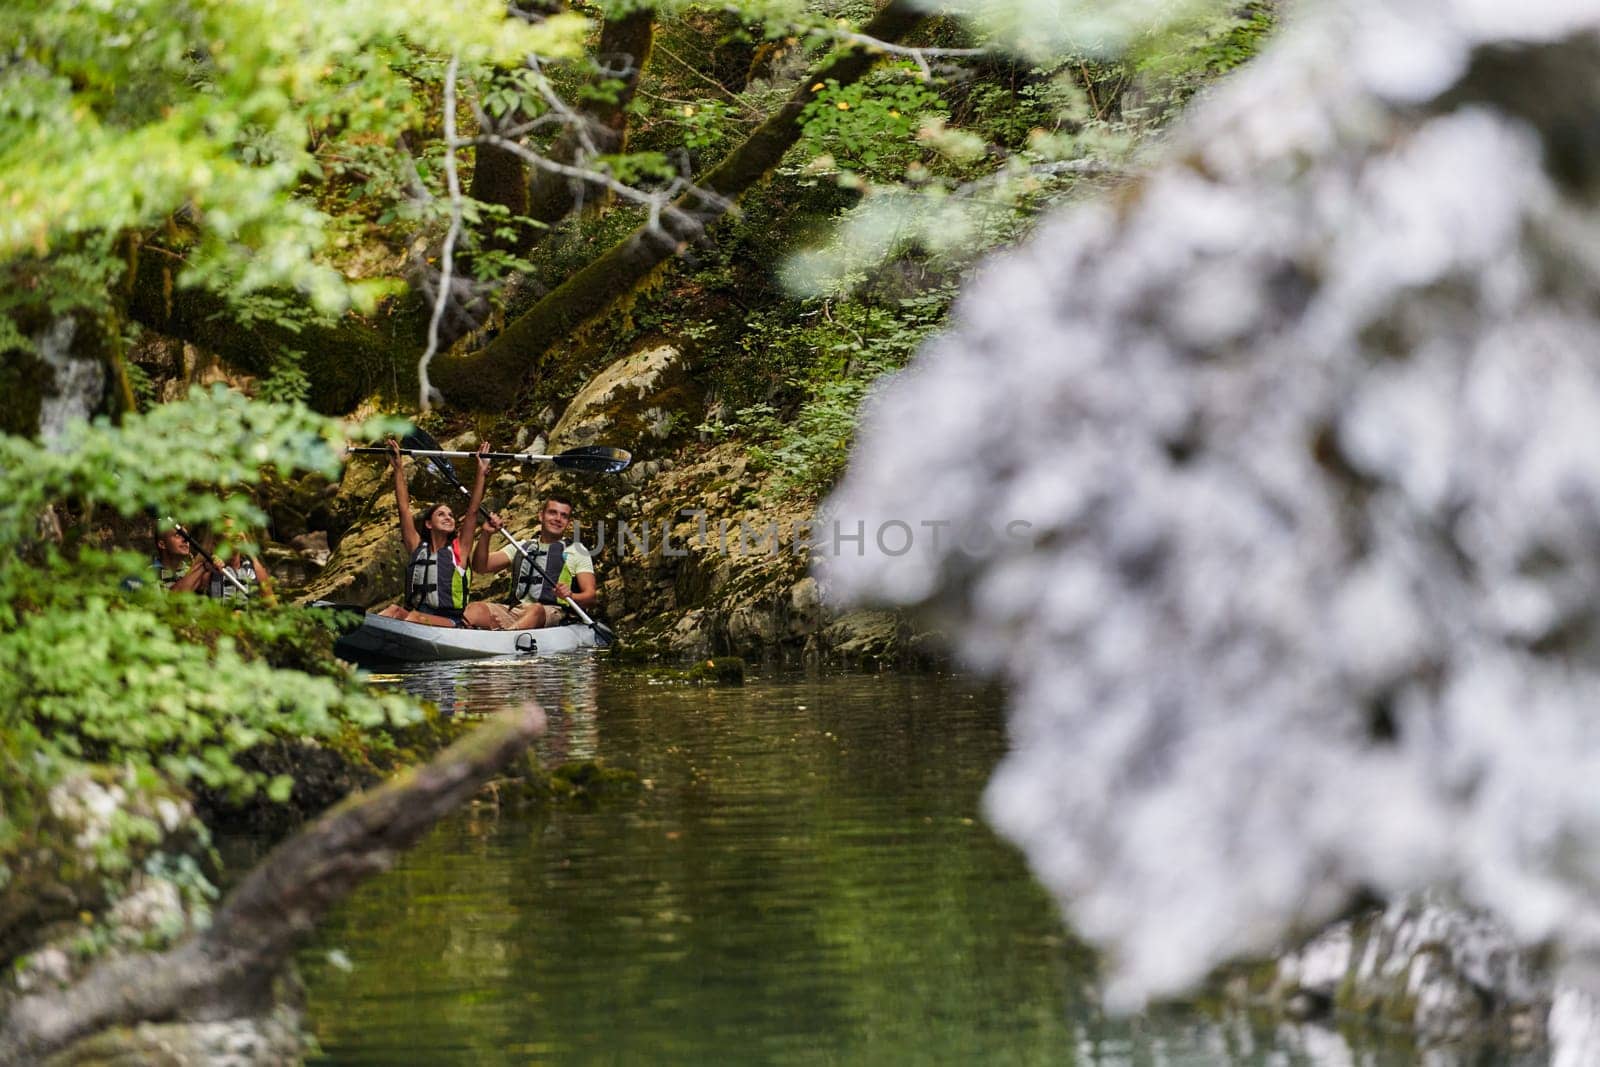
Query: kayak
{"x": 379, "y": 637}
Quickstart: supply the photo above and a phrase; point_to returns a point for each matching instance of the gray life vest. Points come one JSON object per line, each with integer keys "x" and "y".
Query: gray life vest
{"x": 537, "y": 584}
{"x": 222, "y": 589}
{"x": 423, "y": 588}
{"x": 167, "y": 576}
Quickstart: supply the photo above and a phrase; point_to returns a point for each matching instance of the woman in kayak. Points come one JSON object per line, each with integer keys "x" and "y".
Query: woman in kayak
{"x": 437, "y": 575}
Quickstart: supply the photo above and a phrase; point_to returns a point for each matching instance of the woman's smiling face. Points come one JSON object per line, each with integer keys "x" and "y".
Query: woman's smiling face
{"x": 441, "y": 519}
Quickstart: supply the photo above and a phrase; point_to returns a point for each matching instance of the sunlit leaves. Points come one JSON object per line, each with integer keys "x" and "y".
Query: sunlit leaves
{"x": 1039, "y": 29}
{"x": 166, "y": 460}
{"x": 978, "y": 183}
{"x": 147, "y": 679}
{"x": 114, "y": 116}
{"x": 870, "y": 127}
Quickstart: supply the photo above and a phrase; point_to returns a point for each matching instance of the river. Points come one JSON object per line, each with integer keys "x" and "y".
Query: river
{"x": 804, "y": 878}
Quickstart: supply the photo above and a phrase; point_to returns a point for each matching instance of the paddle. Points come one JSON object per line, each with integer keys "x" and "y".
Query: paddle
{"x": 597, "y": 459}
{"x": 419, "y": 443}
{"x": 226, "y": 572}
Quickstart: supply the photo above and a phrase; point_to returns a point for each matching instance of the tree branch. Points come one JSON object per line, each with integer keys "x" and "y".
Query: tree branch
{"x": 226, "y": 970}
{"x": 441, "y": 298}
{"x": 600, "y": 128}
{"x": 489, "y": 379}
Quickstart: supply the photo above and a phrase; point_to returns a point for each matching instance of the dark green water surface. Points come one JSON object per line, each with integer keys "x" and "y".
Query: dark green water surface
{"x": 806, "y": 880}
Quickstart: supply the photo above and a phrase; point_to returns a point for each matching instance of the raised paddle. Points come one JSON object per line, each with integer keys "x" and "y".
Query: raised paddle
{"x": 597, "y": 459}
{"x": 604, "y": 636}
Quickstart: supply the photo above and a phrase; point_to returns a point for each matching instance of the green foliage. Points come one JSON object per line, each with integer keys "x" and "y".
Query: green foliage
{"x": 868, "y": 128}
{"x": 161, "y": 461}
{"x": 1043, "y": 29}
{"x": 819, "y": 373}
{"x": 286, "y": 383}
{"x": 99, "y": 665}
{"x": 991, "y": 165}
{"x": 113, "y": 117}
{"x": 706, "y": 125}
{"x": 141, "y": 677}
{"x": 1193, "y": 52}
{"x": 142, "y": 385}
{"x": 34, "y": 290}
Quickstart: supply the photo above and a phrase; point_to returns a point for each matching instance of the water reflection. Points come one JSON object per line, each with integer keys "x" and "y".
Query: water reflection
{"x": 566, "y": 686}
{"x": 806, "y": 881}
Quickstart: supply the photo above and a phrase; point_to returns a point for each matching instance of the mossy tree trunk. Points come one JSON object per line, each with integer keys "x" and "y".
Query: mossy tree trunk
{"x": 500, "y": 177}
{"x": 623, "y": 52}
{"x": 345, "y": 361}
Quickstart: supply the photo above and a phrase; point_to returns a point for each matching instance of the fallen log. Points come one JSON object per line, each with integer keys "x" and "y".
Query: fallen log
{"x": 230, "y": 969}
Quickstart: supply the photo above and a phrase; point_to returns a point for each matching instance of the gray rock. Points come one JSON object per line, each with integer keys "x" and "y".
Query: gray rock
{"x": 1423, "y": 962}
{"x": 628, "y": 400}
{"x": 690, "y": 637}
{"x": 313, "y": 546}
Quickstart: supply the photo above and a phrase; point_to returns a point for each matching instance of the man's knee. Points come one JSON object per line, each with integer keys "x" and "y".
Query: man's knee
{"x": 482, "y": 616}
{"x": 528, "y": 617}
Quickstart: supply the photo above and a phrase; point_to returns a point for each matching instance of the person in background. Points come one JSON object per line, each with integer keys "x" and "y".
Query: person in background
{"x": 558, "y": 570}
{"x": 248, "y": 569}
{"x": 174, "y": 564}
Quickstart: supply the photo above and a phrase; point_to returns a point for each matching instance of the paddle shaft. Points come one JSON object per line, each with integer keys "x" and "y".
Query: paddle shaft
{"x": 596, "y": 459}
{"x": 546, "y": 575}
{"x": 439, "y": 453}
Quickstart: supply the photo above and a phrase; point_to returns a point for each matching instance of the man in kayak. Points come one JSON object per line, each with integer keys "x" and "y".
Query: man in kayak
{"x": 437, "y": 578}
{"x": 174, "y": 565}
{"x": 553, "y": 571}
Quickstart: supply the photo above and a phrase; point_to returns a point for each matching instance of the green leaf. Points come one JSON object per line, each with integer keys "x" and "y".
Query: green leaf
{"x": 280, "y": 788}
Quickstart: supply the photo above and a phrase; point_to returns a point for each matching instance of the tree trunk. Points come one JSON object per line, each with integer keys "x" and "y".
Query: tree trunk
{"x": 345, "y": 361}
{"x": 489, "y": 379}
{"x": 624, "y": 46}
{"x": 500, "y": 177}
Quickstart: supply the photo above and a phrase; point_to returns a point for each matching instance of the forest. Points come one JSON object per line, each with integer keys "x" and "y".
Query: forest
{"x": 1153, "y": 282}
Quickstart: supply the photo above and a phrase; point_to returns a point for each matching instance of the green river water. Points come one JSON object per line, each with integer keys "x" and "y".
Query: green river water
{"x": 806, "y": 879}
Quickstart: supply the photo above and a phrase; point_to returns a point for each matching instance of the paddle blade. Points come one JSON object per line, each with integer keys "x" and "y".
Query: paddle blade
{"x": 423, "y": 441}
{"x": 597, "y": 459}
{"x": 420, "y": 439}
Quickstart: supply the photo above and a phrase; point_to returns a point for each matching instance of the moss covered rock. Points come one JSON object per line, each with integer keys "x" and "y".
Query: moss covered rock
{"x": 641, "y": 397}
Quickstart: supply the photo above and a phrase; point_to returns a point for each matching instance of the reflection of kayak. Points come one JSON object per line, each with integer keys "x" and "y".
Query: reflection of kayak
{"x": 392, "y": 639}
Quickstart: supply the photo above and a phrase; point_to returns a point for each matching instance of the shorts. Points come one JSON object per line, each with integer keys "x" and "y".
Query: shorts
{"x": 455, "y": 616}
{"x": 522, "y": 613}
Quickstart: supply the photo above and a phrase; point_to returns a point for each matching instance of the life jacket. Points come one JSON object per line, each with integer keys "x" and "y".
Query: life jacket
{"x": 167, "y": 576}
{"x": 222, "y": 589}
{"x": 423, "y": 587}
{"x": 531, "y": 584}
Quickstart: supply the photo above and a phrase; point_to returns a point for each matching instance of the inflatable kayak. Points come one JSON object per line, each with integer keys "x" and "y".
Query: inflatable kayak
{"x": 392, "y": 639}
